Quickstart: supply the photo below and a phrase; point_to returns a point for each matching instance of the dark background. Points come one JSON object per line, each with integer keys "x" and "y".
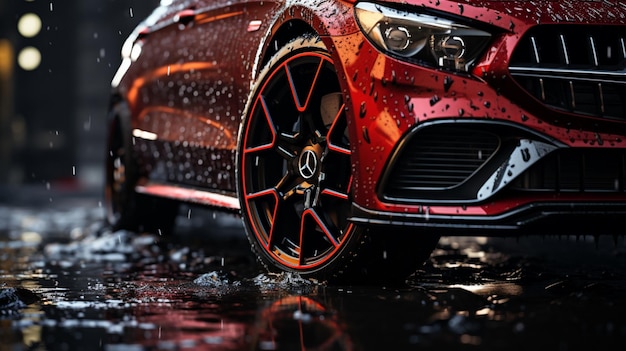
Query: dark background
{"x": 52, "y": 118}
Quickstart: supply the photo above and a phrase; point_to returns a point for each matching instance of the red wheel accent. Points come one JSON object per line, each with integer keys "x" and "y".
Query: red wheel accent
{"x": 295, "y": 164}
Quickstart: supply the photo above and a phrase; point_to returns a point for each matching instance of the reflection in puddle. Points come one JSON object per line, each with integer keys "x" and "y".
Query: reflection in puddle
{"x": 91, "y": 288}
{"x": 298, "y": 322}
{"x": 491, "y": 289}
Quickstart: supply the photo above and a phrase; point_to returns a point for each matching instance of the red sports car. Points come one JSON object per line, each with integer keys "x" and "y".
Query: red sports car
{"x": 351, "y": 135}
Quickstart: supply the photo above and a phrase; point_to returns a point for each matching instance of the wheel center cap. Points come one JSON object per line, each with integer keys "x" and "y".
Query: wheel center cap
{"x": 307, "y": 164}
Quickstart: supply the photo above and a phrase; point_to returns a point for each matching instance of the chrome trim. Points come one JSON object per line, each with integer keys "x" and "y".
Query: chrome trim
{"x": 564, "y": 47}
{"x": 535, "y": 49}
{"x": 618, "y": 77}
{"x": 594, "y": 51}
{"x": 526, "y": 154}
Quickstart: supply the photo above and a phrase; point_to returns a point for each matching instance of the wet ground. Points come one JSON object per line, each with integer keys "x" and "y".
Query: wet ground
{"x": 69, "y": 283}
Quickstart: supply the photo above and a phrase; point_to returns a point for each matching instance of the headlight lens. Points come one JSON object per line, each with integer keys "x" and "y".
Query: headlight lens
{"x": 423, "y": 38}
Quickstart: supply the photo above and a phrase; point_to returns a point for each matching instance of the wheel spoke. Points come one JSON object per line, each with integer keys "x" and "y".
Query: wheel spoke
{"x": 265, "y": 202}
{"x": 337, "y": 134}
{"x": 311, "y": 214}
{"x": 265, "y": 128}
{"x": 304, "y": 87}
{"x": 285, "y": 238}
{"x": 287, "y": 146}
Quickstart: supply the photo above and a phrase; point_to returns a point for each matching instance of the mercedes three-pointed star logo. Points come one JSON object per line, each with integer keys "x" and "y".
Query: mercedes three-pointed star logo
{"x": 307, "y": 164}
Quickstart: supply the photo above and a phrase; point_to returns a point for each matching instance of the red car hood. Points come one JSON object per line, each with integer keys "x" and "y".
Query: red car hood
{"x": 509, "y": 13}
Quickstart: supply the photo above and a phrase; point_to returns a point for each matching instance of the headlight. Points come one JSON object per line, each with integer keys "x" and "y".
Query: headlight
{"x": 420, "y": 37}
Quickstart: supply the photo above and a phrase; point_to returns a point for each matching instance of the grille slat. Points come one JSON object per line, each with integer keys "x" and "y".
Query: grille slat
{"x": 579, "y": 171}
{"x": 441, "y": 159}
{"x": 586, "y": 77}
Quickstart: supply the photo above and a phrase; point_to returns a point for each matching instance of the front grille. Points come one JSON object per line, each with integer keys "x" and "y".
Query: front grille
{"x": 440, "y": 159}
{"x": 576, "y": 170}
{"x": 574, "y": 68}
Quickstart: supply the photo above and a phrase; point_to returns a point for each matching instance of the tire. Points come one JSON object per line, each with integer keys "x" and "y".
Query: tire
{"x": 295, "y": 178}
{"x": 125, "y": 208}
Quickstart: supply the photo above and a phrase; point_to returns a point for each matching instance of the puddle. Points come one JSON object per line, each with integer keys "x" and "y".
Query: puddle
{"x": 67, "y": 282}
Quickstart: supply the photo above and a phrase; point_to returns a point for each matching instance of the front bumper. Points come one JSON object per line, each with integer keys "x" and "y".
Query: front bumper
{"x": 540, "y": 169}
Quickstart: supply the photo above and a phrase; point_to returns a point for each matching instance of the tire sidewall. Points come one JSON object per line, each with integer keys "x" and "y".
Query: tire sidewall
{"x": 118, "y": 205}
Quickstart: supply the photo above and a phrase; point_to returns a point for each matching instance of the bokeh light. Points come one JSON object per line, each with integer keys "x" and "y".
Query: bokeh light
{"x": 29, "y": 25}
{"x": 29, "y": 58}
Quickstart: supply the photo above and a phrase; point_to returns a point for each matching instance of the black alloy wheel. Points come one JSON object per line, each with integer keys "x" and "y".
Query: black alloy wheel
{"x": 294, "y": 169}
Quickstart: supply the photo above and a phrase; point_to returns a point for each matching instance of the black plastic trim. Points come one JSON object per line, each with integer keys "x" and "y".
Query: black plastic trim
{"x": 545, "y": 218}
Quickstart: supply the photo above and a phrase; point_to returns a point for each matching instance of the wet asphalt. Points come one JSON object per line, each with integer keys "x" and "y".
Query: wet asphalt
{"x": 67, "y": 282}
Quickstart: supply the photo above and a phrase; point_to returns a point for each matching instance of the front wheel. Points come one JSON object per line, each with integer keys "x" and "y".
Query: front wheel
{"x": 295, "y": 177}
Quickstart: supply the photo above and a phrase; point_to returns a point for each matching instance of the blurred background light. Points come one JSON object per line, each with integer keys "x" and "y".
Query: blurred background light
{"x": 29, "y": 25}
{"x": 29, "y": 58}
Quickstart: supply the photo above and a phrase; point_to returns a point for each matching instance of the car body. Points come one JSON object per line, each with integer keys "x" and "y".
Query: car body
{"x": 350, "y": 135}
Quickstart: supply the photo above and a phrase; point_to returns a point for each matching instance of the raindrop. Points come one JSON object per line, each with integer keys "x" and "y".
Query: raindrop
{"x": 447, "y": 83}
{"x": 131, "y": 12}
{"x": 599, "y": 139}
{"x": 366, "y": 135}
{"x": 362, "y": 110}
{"x": 433, "y": 100}
{"x": 487, "y": 104}
{"x": 525, "y": 154}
